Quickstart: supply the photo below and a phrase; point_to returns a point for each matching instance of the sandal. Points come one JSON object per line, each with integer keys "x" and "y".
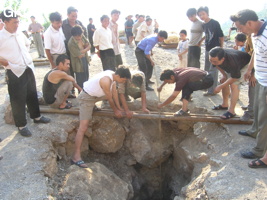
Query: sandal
{"x": 78, "y": 163}
{"x": 181, "y": 113}
{"x": 253, "y": 164}
{"x": 227, "y": 115}
{"x": 219, "y": 107}
{"x": 68, "y": 106}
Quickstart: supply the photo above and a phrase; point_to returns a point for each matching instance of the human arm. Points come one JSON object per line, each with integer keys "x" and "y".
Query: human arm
{"x": 143, "y": 100}
{"x": 169, "y": 99}
{"x": 49, "y": 56}
{"x": 150, "y": 59}
{"x": 3, "y": 62}
{"x": 129, "y": 113}
{"x": 202, "y": 39}
{"x": 248, "y": 73}
{"x": 221, "y": 41}
{"x": 105, "y": 84}
{"x": 161, "y": 86}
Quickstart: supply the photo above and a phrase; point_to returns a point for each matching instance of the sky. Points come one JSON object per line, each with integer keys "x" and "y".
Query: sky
{"x": 170, "y": 14}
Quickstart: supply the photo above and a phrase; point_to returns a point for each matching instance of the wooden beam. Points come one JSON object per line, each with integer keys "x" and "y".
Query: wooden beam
{"x": 153, "y": 115}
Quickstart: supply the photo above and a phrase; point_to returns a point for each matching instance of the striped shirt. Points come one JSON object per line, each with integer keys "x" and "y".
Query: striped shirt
{"x": 260, "y": 56}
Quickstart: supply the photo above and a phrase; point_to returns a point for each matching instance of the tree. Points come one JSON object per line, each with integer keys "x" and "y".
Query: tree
{"x": 16, "y": 6}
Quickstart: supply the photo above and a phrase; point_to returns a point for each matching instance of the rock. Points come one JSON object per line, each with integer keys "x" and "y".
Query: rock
{"x": 8, "y": 117}
{"x": 108, "y": 135}
{"x": 215, "y": 162}
{"x": 50, "y": 163}
{"x": 202, "y": 157}
{"x": 96, "y": 182}
{"x": 148, "y": 146}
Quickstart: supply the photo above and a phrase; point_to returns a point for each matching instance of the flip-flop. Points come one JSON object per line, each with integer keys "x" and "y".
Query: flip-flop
{"x": 219, "y": 107}
{"x": 253, "y": 164}
{"x": 68, "y": 106}
{"x": 78, "y": 163}
{"x": 228, "y": 115}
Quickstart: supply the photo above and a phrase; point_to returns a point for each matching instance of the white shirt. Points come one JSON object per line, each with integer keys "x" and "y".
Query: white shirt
{"x": 92, "y": 86}
{"x": 103, "y": 38}
{"x": 148, "y": 30}
{"x": 14, "y": 47}
{"x": 115, "y": 37}
{"x": 54, "y": 40}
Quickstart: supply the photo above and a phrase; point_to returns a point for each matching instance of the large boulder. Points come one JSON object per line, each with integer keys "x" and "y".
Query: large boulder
{"x": 108, "y": 135}
{"x": 149, "y": 146}
{"x": 96, "y": 183}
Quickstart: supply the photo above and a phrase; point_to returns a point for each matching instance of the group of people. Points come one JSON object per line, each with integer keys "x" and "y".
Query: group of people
{"x": 66, "y": 45}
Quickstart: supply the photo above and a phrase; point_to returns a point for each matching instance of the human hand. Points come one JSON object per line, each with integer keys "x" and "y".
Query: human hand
{"x": 252, "y": 81}
{"x": 129, "y": 114}
{"x": 159, "y": 89}
{"x": 118, "y": 113}
{"x": 146, "y": 110}
{"x": 98, "y": 54}
{"x": 247, "y": 75}
{"x": 152, "y": 63}
{"x": 223, "y": 79}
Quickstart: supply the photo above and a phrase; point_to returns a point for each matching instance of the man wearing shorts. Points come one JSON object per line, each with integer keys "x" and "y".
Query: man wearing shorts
{"x": 58, "y": 84}
{"x": 101, "y": 87}
{"x": 232, "y": 64}
{"x": 187, "y": 80}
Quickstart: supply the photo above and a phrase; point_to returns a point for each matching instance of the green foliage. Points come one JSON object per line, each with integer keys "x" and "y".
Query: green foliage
{"x": 46, "y": 24}
{"x": 16, "y": 5}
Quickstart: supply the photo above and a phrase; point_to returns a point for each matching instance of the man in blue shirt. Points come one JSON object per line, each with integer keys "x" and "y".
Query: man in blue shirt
{"x": 143, "y": 54}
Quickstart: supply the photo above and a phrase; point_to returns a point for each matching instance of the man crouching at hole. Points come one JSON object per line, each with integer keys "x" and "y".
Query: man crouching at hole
{"x": 58, "y": 84}
{"x": 101, "y": 87}
{"x": 186, "y": 79}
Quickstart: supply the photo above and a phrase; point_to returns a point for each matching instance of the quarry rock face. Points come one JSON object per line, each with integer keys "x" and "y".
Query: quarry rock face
{"x": 96, "y": 182}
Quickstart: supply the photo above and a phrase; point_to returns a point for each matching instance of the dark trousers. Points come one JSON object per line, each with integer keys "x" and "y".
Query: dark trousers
{"x": 108, "y": 59}
{"x": 81, "y": 77}
{"x": 190, "y": 87}
{"x": 22, "y": 92}
{"x": 118, "y": 60}
{"x": 144, "y": 64}
{"x": 92, "y": 44}
{"x": 194, "y": 56}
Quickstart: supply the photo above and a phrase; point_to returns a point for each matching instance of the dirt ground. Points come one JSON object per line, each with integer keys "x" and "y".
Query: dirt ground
{"x": 19, "y": 182}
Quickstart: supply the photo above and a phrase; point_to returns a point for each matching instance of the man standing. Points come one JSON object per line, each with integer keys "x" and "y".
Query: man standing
{"x": 129, "y": 29}
{"x": 101, "y": 86}
{"x": 115, "y": 14}
{"x": 36, "y": 28}
{"x": 196, "y": 32}
{"x": 103, "y": 43}
{"x": 57, "y": 84}
{"x": 213, "y": 37}
{"x": 187, "y": 80}
{"x": 144, "y": 30}
{"x": 54, "y": 39}
{"x": 135, "y": 88}
{"x": 247, "y": 22}
{"x": 91, "y": 29}
{"x": 232, "y": 64}
{"x": 14, "y": 56}
{"x": 141, "y": 19}
{"x": 143, "y": 55}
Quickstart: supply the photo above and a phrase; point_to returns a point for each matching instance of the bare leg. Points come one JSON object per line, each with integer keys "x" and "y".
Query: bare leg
{"x": 234, "y": 97}
{"x": 185, "y": 104}
{"x": 225, "y": 94}
{"x": 78, "y": 140}
{"x": 63, "y": 104}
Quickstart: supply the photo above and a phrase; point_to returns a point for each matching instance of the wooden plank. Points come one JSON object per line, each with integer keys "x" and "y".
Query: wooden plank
{"x": 153, "y": 115}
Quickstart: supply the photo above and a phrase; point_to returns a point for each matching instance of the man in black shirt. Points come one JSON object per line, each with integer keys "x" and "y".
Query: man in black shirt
{"x": 91, "y": 29}
{"x": 213, "y": 37}
{"x": 232, "y": 64}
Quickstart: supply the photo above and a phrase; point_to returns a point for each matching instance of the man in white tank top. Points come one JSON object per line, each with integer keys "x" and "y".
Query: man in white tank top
{"x": 101, "y": 86}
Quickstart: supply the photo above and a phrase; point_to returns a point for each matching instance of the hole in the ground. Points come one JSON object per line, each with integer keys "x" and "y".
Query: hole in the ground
{"x": 162, "y": 180}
